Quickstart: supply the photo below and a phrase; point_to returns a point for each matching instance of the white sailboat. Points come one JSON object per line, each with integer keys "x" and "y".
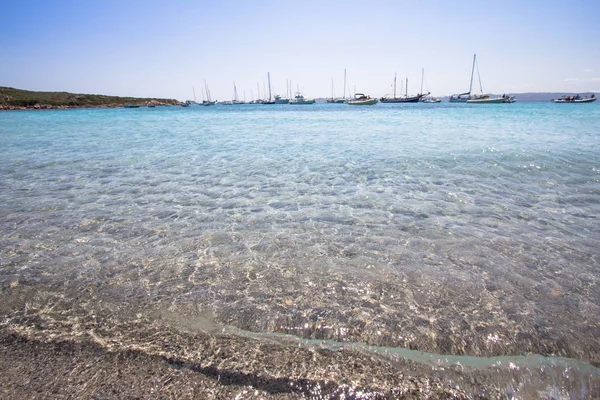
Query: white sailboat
{"x": 426, "y": 99}
{"x": 208, "y": 101}
{"x": 235, "y": 98}
{"x": 463, "y": 97}
{"x": 337, "y": 100}
{"x": 269, "y": 100}
{"x": 361, "y": 99}
{"x": 483, "y": 98}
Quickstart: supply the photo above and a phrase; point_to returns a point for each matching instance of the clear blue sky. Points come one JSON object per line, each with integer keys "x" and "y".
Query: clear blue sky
{"x": 164, "y": 48}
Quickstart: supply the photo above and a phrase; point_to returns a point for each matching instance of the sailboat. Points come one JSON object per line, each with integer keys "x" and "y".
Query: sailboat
{"x": 405, "y": 98}
{"x": 269, "y": 100}
{"x": 483, "y": 98}
{"x": 235, "y": 98}
{"x": 426, "y": 99}
{"x": 208, "y": 101}
{"x": 337, "y": 100}
{"x": 463, "y": 97}
{"x": 361, "y": 99}
{"x": 480, "y": 98}
{"x": 332, "y": 98}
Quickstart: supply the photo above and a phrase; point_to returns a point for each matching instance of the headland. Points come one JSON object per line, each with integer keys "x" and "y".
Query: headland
{"x": 18, "y": 99}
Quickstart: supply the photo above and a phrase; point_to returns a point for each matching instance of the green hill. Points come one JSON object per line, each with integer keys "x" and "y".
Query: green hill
{"x": 14, "y": 99}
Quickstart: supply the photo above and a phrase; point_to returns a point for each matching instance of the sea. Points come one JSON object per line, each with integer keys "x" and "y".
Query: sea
{"x": 444, "y": 234}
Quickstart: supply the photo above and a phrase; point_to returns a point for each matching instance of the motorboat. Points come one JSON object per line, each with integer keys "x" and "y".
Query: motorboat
{"x": 361, "y": 99}
{"x": 300, "y": 99}
{"x": 575, "y": 99}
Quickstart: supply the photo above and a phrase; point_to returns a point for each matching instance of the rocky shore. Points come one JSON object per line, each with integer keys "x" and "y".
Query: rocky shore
{"x": 17, "y": 99}
{"x": 38, "y": 106}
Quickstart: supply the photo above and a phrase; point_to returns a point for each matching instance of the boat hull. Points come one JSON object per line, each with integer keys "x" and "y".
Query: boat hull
{"x": 574, "y": 101}
{"x": 498, "y": 100}
{"x": 414, "y": 99}
{"x": 368, "y": 102}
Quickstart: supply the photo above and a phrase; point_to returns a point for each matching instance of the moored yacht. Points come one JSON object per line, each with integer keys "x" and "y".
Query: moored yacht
{"x": 300, "y": 99}
{"x": 361, "y": 99}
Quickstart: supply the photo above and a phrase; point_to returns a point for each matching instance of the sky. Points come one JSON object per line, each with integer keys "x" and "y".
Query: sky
{"x": 168, "y": 49}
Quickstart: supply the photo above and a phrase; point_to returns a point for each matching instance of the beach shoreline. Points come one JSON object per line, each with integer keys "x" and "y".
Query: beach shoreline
{"x": 166, "y": 363}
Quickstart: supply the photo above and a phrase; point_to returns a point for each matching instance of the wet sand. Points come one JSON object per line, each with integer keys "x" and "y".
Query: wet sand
{"x": 46, "y": 357}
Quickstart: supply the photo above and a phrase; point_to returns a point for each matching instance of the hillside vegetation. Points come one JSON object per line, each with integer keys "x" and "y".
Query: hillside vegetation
{"x": 11, "y": 99}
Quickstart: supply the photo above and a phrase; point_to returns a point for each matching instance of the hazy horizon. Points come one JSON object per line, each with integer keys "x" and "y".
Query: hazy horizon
{"x": 154, "y": 49}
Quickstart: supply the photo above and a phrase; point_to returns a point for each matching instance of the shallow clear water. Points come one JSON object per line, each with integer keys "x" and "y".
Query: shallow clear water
{"x": 452, "y": 229}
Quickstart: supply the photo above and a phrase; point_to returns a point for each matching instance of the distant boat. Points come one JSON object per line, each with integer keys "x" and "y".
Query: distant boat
{"x": 281, "y": 100}
{"x": 486, "y": 99}
{"x": 235, "y": 100}
{"x": 300, "y": 99}
{"x": 337, "y": 100}
{"x": 463, "y": 97}
{"x": 483, "y": 98}
{"x": 460, "y": 98}
{"x": 575, "y": 99}
{"x": 270, "y": 99}
{"x": 131, "y": 106}
{"x": 208, "y": 101}
{"x": 332, "y": 98}
{"x": 403, "y": 99}
{"x": 425, "y": 99}
{"x": 361, "y": 99}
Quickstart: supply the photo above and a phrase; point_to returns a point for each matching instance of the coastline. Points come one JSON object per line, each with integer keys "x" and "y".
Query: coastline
{"x": 166, "y": 362}
{"x": 38, "y": 106}
{"x": 18, "y": 99}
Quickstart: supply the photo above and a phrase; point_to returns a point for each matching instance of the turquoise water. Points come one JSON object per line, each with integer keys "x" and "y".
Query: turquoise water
{"x": 448, "y": 228}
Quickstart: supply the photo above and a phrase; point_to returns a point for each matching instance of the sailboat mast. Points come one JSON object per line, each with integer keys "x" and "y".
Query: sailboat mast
{"x": 269, "y": 79}
{"x": 479, "y": 77}
{"x": 422, "y": 74}
{"x": 332, "y": 95}
{"x": 344, "y": 82}
{"x": 407, "y": 86}
{"x": 472, "y": 72}
{"x": 258, "y": 90}
{"x": 394, "y": 85}
{"x": 194, "y": 90}
{"x": 207, "y": 92}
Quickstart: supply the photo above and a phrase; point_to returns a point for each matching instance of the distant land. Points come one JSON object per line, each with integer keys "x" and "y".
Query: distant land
{"x": 17, "y": 99}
